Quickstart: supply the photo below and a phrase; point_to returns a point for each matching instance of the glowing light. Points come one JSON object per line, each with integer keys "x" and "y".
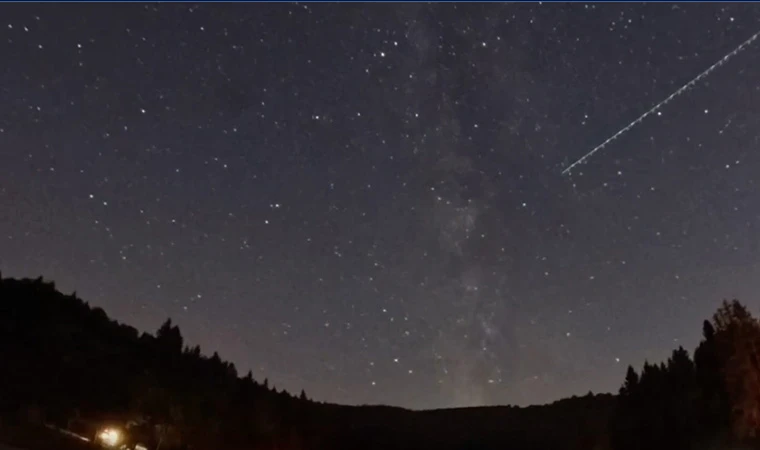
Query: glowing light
{"x": 110, "y": 437}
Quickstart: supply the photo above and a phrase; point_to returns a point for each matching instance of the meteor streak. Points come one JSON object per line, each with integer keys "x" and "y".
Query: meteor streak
{"x": 675, "y": 94}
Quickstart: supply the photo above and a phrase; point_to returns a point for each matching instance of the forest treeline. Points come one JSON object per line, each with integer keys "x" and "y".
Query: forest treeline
{"x": 71, "y": 363}
{"x": 709, "y": 401}
{"x": 67, "y": 364}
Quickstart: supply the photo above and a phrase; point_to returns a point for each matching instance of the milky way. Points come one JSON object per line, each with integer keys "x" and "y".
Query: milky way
{"x": 367, "y": 201}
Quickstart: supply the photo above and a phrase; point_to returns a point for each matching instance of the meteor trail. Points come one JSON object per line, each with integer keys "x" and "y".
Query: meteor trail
{"x": 678, "y": 92}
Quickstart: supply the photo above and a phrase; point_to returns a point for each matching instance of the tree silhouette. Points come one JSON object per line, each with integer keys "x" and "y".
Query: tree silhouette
{"x": 714, "y": 407}
{"x": 169, "y": 338}
{"x": 631, "y": 383}
{"x": 682, "y": 403}
{"x": 738, "y": 341}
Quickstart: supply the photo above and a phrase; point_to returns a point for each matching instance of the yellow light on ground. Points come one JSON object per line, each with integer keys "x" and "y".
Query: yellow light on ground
{"x": 110, "y": 437}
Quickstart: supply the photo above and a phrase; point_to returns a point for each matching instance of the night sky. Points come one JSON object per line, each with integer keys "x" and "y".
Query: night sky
{"x": 366, "y": 200}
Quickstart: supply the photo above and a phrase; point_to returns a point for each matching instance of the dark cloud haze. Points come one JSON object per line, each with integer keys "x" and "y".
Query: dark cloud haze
{"x": 366, "y": 200}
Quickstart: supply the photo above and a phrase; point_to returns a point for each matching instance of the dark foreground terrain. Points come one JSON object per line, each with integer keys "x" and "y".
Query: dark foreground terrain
{"x": 68, "y": 366}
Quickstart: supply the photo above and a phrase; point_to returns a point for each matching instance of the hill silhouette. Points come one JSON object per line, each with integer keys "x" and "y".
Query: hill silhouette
{"x": 69, "y": 367}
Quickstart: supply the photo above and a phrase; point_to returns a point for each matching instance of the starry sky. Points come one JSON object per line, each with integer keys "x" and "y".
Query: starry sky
{"x": 367, "y": 200}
